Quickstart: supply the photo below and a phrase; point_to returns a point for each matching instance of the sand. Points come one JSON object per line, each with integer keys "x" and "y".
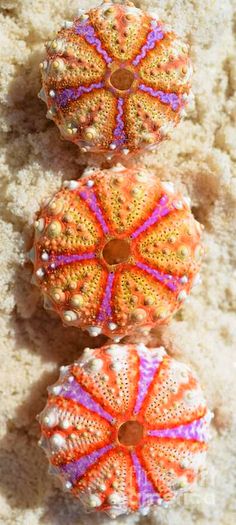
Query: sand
{"x": 200, "y": 158}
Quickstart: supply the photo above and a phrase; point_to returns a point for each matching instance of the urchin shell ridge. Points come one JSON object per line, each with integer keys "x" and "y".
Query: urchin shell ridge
{"x": 116, "y": 80}
{"x": 117, "y": 251}
{"x": 126, "y": 427}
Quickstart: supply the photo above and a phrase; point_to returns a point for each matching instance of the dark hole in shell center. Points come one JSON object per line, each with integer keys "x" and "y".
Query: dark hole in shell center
{"x": 116, "y": 251}
{"x": 122, "y": 79}
{"x": 130, "y": 433}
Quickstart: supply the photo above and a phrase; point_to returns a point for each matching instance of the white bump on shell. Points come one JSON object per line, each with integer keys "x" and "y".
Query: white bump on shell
{"x": 70, "y": 316}
{"x": 88, "y": 171}
{"x": 40, "y": 273}
{"x": 117, "y": 367}
{"x": 95, "y": 364}
{"x": 57, "y": 441}
{"x": 44, "y": 256}
{"x": 178, "y": 205}
{"x": 56, "y": 390}
{"x": 94, "y": 501}
{"x": 112, "y": 326}
{"x": 68, "y": 485}
{"x": 39, "y": 225}
{"x": 117, "y": 339}
{"x": 73, "y": 184}
{"x": 182, "y": 295}
{"x": 94, "y": 331}
{"x": 65, "y": 424}
{"x": 114, "y": 498}
{"x": 101, "y": 487}
{"x": 168, "y": 186}
{"x": 50, "y": 419}
{"x": 64, "y": 369}
{"x": 117, "y": 351}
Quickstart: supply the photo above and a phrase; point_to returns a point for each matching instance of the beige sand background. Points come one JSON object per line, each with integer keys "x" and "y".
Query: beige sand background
{"x": 34, "y": 161}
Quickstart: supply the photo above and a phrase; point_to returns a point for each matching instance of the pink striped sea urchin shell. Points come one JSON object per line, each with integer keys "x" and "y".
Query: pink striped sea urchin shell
{"x": 116, "y": 79}
{"x": 125, "y": 427}
{"x": 116, "y": 251}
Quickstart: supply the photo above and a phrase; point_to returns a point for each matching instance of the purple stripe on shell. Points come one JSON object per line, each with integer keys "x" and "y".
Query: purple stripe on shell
{"x": 87, "y": 31}
{"x": 147, "y": 493}
{"x": 147, "y": 371}
{"x": 105, "y": 310}
{"x": 72, "y": 94}
{"x": 119, "y": 133}
{"x": 160, "y": 211}
{"x": 77, "y": 469}
{"x": 75, "y": 392}
{"x": 196, "y": 430}
{"x": 173, "y": 283}
{"x": 171, "y": 99}
{"x": 155, "y": 35}
{"x": 60, "y": 260}
{"x": 91, "y": 199}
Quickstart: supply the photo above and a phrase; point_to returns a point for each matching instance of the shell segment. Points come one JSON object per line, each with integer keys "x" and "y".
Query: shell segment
{"x": 112, "y": 257}
{"x": 126, "y": 427}
{"x": 116, "y": 79}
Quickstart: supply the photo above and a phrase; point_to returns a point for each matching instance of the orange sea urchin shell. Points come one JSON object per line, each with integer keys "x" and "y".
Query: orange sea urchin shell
{"x": 116, "y": 79}
{"x": 116, "y": 250}
{"x": 125, "y": 428}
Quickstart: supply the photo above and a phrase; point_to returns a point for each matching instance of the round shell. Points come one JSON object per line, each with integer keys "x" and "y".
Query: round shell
{"x": 116, "y": 250}
{"x": 125, "y": 427}
{"x": 116, "y": 79}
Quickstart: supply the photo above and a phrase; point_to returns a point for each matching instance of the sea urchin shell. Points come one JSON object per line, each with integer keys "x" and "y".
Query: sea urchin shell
{"x": 116, "y": 250}
{"x": 125, "y": 428}
{"x": 116, "y": 79}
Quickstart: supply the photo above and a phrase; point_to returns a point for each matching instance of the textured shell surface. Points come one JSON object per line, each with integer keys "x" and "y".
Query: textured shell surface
{"x": 116, "y": 251}
{"x": 116, "y": 79}
{"x": 126, "y": 427}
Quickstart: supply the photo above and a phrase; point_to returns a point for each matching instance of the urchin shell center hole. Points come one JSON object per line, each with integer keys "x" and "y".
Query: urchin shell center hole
{"x": 116, "y": 251}
{"x": 122, "y": 79}
{"x": 130, "y": 433}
